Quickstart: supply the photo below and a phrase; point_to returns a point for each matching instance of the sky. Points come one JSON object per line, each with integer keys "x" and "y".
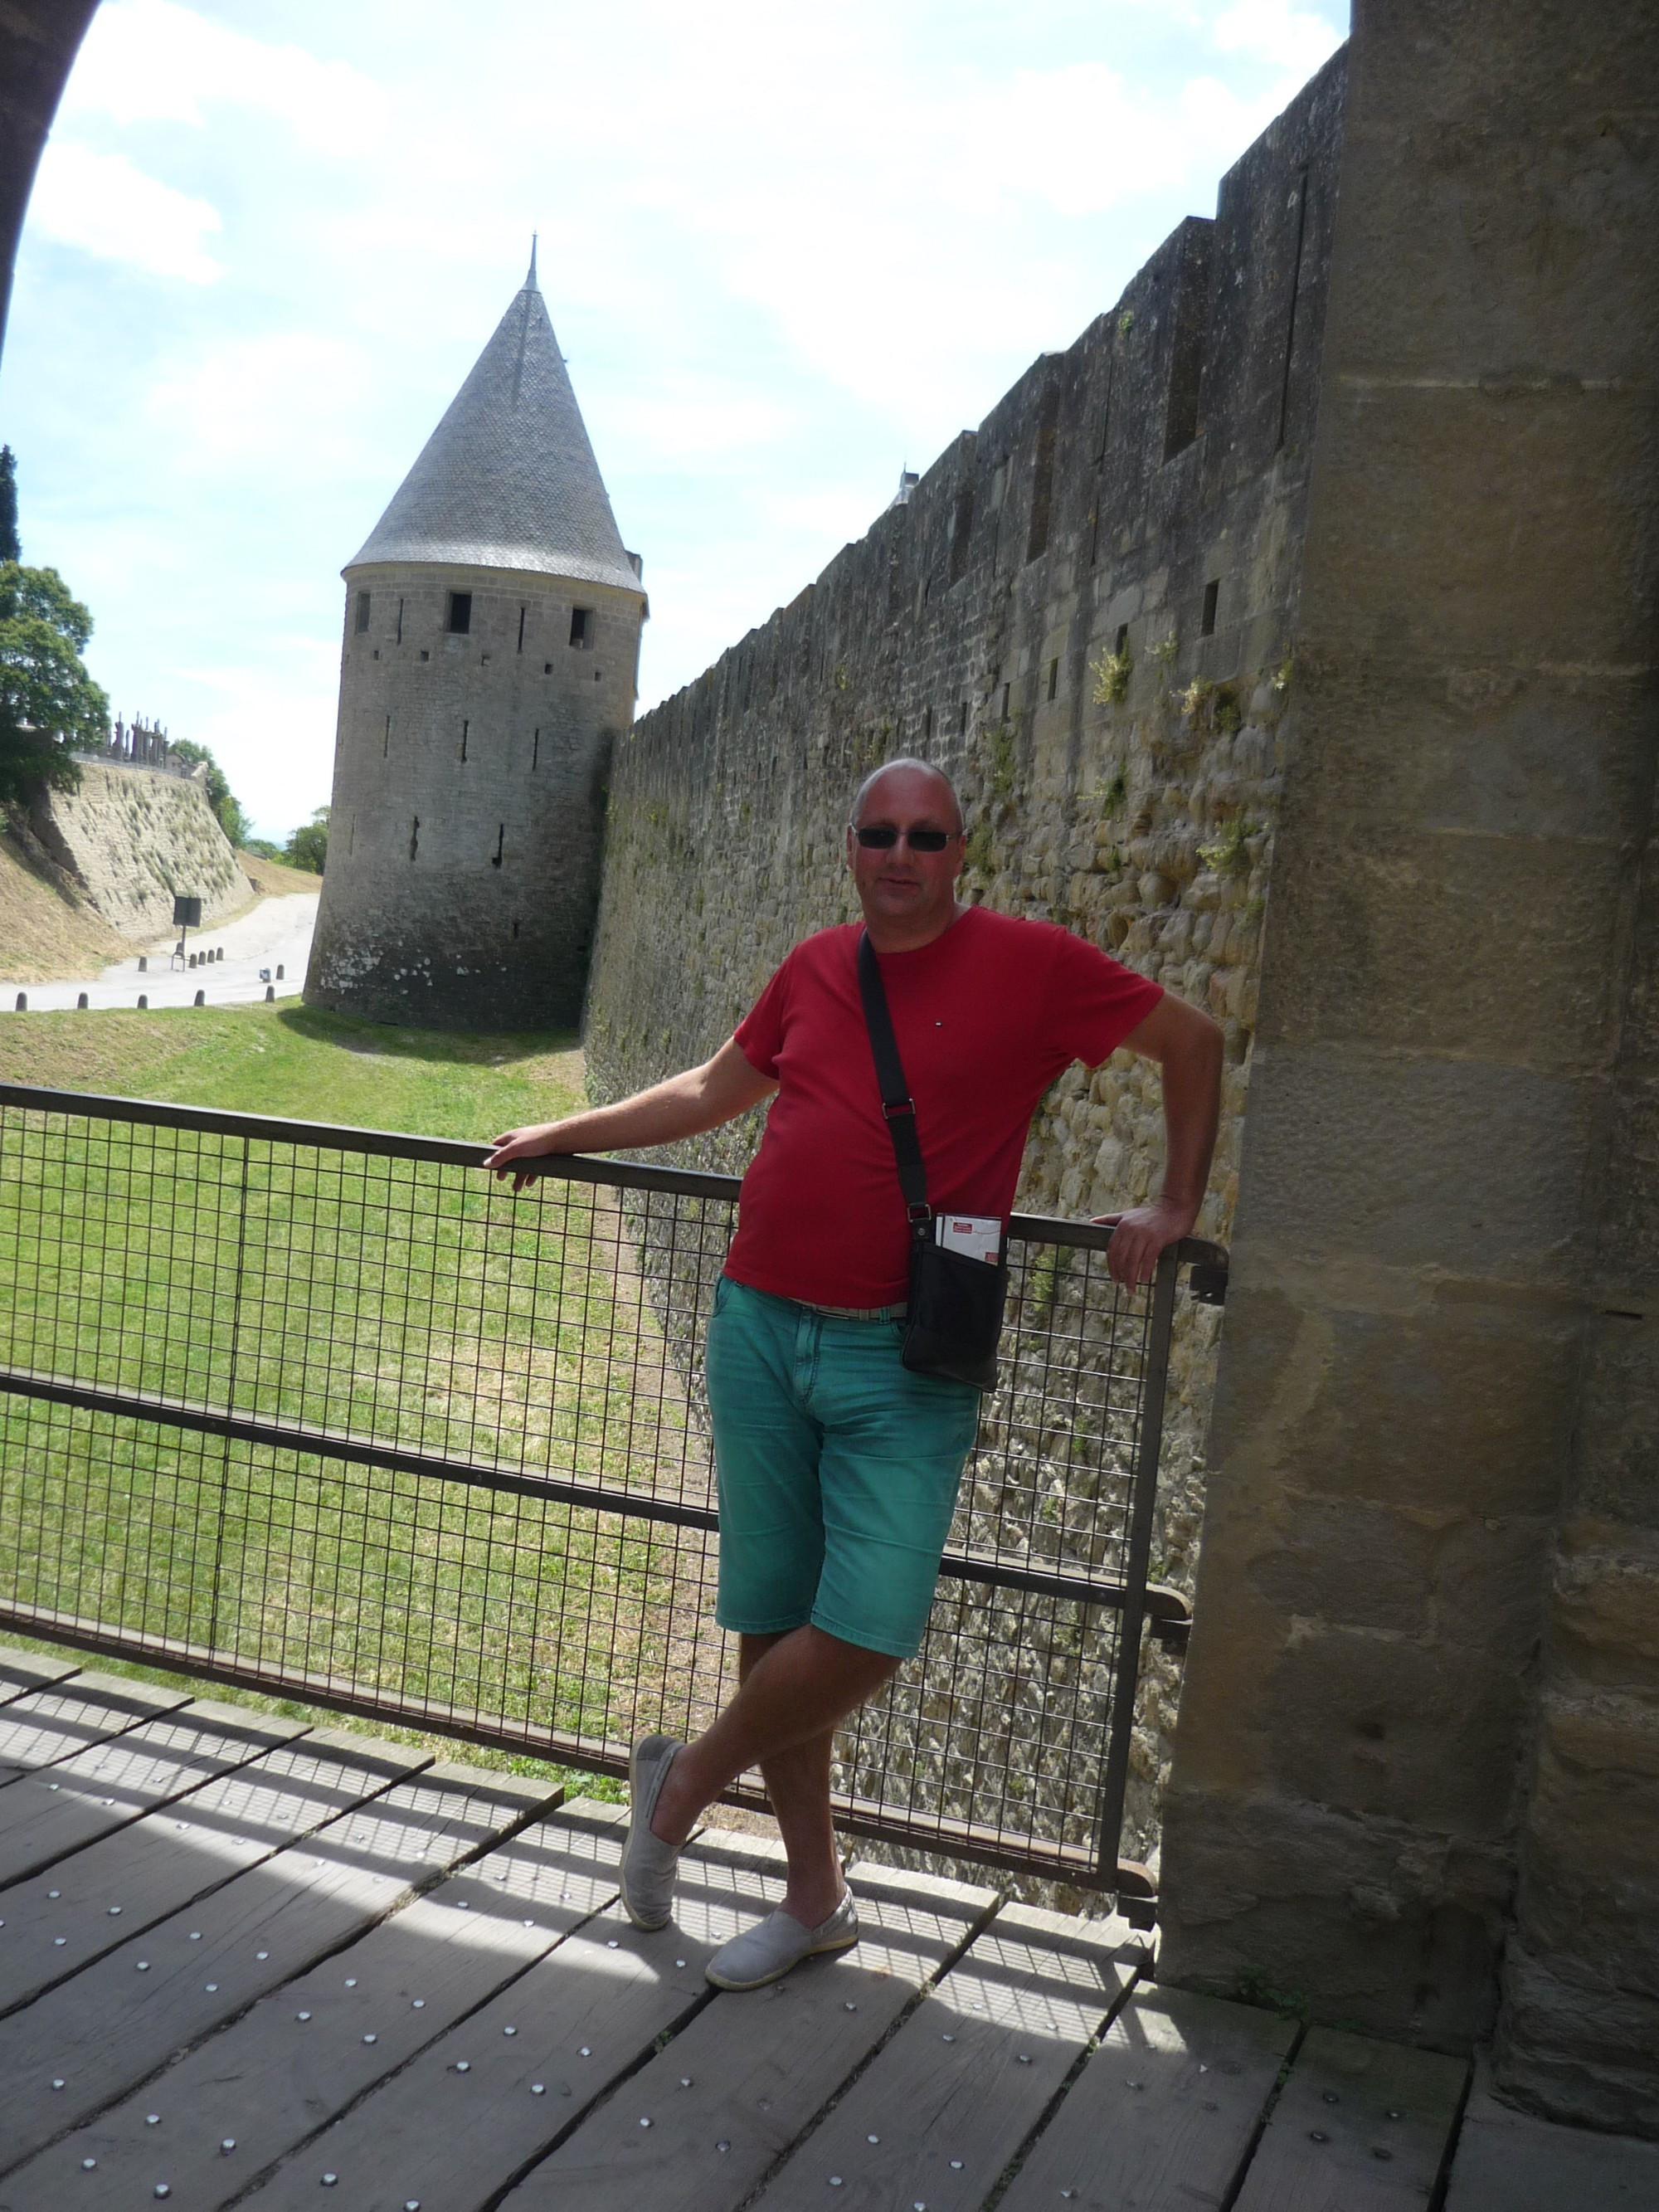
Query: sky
{"x": 787, "y": 251}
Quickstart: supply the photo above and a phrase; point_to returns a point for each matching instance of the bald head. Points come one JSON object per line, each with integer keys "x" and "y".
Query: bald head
{"x": 944, "y": 792}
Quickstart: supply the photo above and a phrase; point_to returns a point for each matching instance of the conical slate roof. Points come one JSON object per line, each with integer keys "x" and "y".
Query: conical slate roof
{"x": 508, "y": 480}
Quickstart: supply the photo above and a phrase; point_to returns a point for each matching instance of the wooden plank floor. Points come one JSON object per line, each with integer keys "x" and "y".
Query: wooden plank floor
{"x": 287, "y": 1968}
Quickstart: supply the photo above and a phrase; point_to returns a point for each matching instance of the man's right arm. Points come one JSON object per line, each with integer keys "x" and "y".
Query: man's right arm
{"x": 684, "y": 1106}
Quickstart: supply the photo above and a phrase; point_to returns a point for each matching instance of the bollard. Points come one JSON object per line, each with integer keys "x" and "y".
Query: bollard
{"x": 271, "y": 993}
{"x": 143, "y": 1001}
{"x": 192, "y": 959}
{"x": 143, "y": 965}
{"x": 200, "y": 999}
{"x": 23, "y": 1002}
{"x": 81, "y": 1004}
{"x": 279, "y": 972}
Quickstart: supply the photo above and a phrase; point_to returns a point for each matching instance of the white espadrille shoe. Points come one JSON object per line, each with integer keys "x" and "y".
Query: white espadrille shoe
{"x": 766, "y": 1951}
{"x": 648, "y": 1862}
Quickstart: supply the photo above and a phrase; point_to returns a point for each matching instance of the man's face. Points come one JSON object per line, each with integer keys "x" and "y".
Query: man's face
{"x": 901, "y": 884}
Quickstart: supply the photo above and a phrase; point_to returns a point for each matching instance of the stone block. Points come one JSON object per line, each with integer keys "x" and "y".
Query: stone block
{"x": 1486, "y": 185}
{"x": 1446, "y": 1396}
{"x": 1427, "y": 1733}
{"x": 1409, "y": 1160}
{"x": 1575, "y": 2046}
{"x": 1617, "y": 1442}
{"x": 1377, "y": 1924}
{"x": 1604, "y": 1608}
{"x": 1442, "y": 467}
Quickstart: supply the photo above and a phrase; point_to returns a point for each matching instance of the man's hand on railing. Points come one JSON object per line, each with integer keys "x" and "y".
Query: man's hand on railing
{"x": 534, "y": 1143}
{"x": 1140, "y": 1237}
{"x": 684, "y": 1106}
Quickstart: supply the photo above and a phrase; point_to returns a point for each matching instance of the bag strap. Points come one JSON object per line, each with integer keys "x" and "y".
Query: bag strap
{"x": 897, "y": 1107}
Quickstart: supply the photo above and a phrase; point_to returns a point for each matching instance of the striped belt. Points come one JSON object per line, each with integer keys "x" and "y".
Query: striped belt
{"x": 855, "y": 1313}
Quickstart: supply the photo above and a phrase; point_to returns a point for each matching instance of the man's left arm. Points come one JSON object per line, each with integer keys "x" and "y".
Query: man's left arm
{"x": 1186, "y": 1046}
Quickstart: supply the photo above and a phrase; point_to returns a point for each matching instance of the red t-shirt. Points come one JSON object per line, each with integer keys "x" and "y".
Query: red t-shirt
{"x": 986, "y": 1016}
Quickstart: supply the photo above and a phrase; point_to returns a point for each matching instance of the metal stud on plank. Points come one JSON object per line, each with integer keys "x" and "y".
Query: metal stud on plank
{"x": 227, "y": 2146}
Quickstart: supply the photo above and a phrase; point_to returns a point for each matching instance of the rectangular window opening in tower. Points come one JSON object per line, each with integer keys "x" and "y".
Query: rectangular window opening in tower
{"x": 362, "y": 612}
{"x": 459, "y": 621}
{"x": 465, "y": 727}
{"x": 522, "y": 612}
{"x": 500, "y": 840}
{"x": 962, "y": 720}
{"x": 581, "y": 626}
{"x": 1054, "y": 678}
{"x": 386, "y": 740}
{"x": 535, "y": 751}
{"x": 1212, "y": 595}
{"x": 400, "y": 623}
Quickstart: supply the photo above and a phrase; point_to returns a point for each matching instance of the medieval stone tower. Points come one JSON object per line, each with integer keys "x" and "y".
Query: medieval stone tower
{"x": 492, "y": 633}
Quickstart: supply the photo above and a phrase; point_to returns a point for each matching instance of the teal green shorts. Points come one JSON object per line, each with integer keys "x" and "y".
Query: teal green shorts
{"x": 837, "y": 1469}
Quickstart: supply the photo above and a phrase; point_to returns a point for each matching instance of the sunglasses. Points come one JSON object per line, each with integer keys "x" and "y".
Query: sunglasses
{"x": 880, "y": 838}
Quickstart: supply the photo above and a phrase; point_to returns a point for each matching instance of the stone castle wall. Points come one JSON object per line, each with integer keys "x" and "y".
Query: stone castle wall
{"x": 1084, "y": 612}
{"x": 463, "y": 761}
{"x": 131, "y": 837}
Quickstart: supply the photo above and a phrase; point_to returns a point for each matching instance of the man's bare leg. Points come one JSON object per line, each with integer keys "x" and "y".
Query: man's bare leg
{"x": 793, "y": 1691}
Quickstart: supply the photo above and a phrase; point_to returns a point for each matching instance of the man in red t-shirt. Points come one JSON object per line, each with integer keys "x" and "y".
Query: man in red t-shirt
{"x": 838, "y": 1467}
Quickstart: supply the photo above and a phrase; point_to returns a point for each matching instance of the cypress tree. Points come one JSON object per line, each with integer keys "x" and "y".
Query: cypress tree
{"x": 10, "y": 548}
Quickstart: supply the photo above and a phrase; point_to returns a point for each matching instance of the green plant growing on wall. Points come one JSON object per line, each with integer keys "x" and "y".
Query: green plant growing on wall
{"x": 1115, "y": 796}
{"x": 979, "y": 847}
{"x": 1229, "y": 853}
{"x": 1226, "y": 715}
{"x": 840, "y": 678}
{"x": 1002, "y": 763}
{"x": 1111, "y": 675}
{"x": 1282, "y": 674}
{"x": 1126, "y": 322}
{"x": 1167, "y": 651}
{"x": 1193, "y": 701}
{"x": 1255, "y": 1987}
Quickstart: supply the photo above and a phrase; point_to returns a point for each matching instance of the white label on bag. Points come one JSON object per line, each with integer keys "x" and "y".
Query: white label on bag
{"x": 976, "y": 1236}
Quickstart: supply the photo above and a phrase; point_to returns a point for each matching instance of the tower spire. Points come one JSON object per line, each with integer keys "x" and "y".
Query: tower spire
{"x": 530, "y": 283}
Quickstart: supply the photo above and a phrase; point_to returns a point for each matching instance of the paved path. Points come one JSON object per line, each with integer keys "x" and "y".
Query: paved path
{"x": 244, "y": 1960}
{"x": 273, "y": 934}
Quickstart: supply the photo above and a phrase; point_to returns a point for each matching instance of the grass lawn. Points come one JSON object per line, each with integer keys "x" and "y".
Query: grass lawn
{"x": 411, "y": 1304}
{"x": 287, "y": 1060}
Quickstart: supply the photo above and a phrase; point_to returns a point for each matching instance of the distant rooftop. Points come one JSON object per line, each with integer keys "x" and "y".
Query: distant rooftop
{"x": 509, "y": 480}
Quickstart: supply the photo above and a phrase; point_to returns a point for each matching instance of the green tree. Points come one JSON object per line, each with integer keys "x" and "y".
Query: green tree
{"x": 10, "y": 548}
{"x": 48, "y": 702}
{"x": 307, "y": 848}
{"x": 220, "y": 798}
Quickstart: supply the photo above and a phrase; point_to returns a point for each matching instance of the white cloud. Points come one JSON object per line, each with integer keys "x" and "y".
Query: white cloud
{"x": 153, "y": 61}
{"x": 1277, "y": 32}
{"x": 248, "y": 398}
{"x": 105, "y": 204}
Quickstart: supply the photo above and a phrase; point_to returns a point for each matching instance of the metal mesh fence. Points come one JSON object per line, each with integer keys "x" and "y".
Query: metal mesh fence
{"x": 329, "y": 1412}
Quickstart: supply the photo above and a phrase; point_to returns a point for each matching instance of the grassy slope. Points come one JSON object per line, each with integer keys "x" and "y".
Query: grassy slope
{"x": 43, "y": 936}
{"x": 287, "y": 1060}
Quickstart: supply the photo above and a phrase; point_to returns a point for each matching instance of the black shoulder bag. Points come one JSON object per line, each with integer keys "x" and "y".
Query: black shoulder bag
{"x": 955, "y": 1315}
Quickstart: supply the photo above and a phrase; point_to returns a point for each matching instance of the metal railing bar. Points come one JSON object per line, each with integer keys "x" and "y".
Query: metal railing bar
{"x": 1148, "y": 1446}
{"x": 571, "y": 1167}
{"x": 1162, "y": 1603}
{"x": 1076, "y": 1863}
